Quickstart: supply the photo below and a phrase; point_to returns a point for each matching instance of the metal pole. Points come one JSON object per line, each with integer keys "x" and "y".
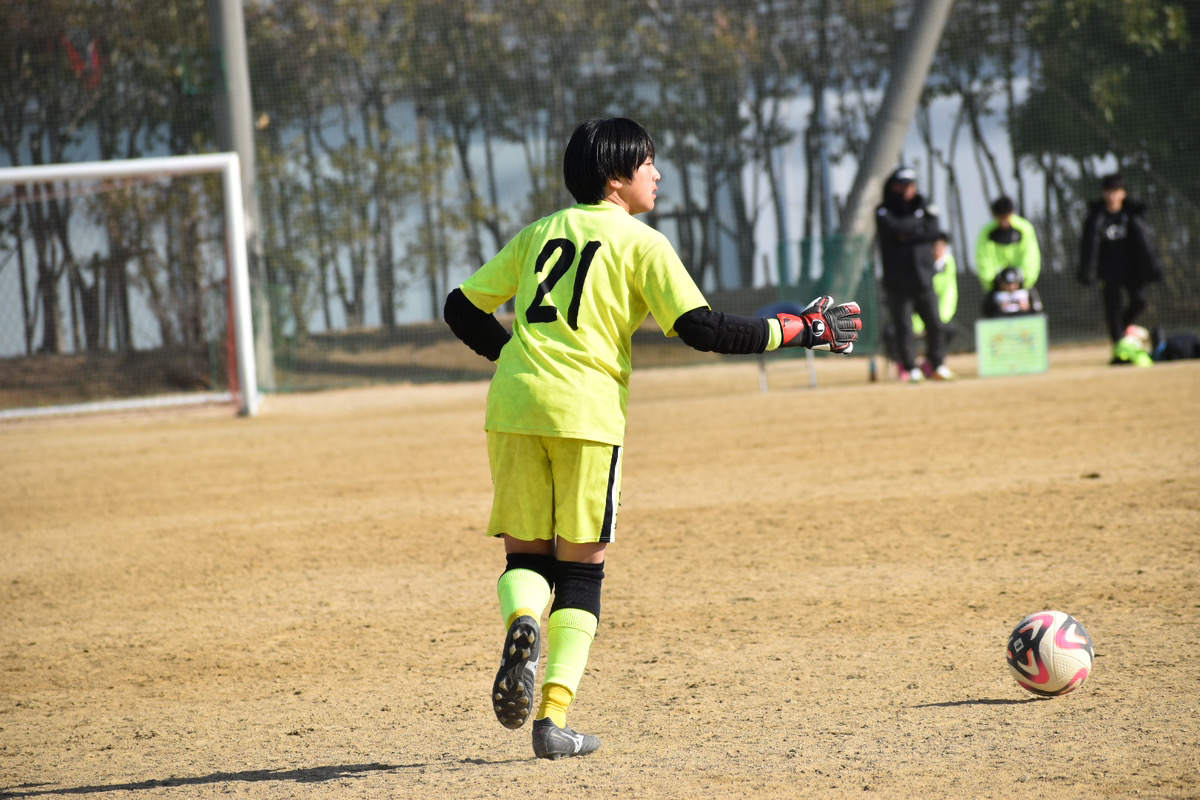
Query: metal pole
{"x": 240, "y": 286}
{"x": 235, "y": 132}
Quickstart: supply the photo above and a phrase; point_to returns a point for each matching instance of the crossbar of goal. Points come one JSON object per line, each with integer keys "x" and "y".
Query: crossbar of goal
{"x": 228, "y": 166}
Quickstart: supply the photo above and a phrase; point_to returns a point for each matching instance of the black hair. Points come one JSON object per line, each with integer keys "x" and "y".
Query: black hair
{"x": 1002, "y": 205}
{"x": 1114, "y": 181}
{"x": 601, "y": 149}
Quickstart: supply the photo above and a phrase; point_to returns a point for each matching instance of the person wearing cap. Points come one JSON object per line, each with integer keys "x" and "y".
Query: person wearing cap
{"x": 1009, "y": 240}
{"x": 907, "y": 227}
{"x": 1118, "y": 251}
{"x": 1009, "y": 296}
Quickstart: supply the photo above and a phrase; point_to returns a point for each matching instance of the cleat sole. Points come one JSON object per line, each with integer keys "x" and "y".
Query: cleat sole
{"x": 513, "y": 689}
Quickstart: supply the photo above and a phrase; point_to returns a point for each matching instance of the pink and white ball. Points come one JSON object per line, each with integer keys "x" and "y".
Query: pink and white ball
{"x": 1050, "y": 653}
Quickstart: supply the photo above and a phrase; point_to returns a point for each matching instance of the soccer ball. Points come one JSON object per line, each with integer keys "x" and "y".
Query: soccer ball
{"x": 1050, "y": 653}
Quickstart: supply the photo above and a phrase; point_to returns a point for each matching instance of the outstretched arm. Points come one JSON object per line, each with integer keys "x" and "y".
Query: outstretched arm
{"x": 477, "y": 329}
{"x": 817, "y": 327}
{"x": 718, "y": 332}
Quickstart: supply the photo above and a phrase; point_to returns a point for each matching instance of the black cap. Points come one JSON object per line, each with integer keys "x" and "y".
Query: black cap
{"x": 903, "y": 175}
{"x": 1114, "y": 181}
{"x": 1011, "y": 275}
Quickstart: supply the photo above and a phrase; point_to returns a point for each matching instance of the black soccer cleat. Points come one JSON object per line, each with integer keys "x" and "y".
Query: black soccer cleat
{"x": 553, "y": 742}
{"x": 512, "y": 692}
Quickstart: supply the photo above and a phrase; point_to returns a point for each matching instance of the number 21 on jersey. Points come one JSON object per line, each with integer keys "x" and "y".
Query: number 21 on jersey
{"x": 540, "y": 310}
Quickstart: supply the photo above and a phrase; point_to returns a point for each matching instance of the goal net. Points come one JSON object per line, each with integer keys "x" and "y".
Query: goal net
{"x": 124, "y": 284}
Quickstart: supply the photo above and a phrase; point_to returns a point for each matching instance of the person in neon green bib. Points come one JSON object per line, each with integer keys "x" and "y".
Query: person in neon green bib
{"x": 1009, "y": 240}
{"x": 945, "y": 286}
{"x": 582, "y": 280}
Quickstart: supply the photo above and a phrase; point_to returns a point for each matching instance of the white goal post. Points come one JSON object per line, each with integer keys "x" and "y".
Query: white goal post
{"x": 227, "y": 165}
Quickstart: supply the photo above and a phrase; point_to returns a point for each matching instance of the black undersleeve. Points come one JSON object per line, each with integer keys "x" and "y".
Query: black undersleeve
{"x": 718, "y": 332}
{"x": 477, "y": 329}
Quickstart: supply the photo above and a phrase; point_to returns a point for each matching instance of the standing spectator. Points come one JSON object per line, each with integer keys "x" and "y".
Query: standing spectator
{"x": 1009, "y": 240}
{"x": 907, "y": 227}
{"x": 1118, "y": 250}
{"x": 945, "y": 286}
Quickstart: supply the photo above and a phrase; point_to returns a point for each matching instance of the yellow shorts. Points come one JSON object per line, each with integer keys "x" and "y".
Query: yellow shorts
{"x": 547, "y": 486}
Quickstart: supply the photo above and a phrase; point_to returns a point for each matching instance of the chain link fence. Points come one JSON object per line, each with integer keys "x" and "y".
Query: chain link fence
{"x": 400, "y": 144}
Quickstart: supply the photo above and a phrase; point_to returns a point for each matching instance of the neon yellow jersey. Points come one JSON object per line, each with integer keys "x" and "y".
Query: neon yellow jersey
{"x": 583, "y": 280}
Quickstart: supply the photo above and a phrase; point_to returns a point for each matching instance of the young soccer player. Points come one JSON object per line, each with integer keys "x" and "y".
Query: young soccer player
{"x": 583, "y": 280}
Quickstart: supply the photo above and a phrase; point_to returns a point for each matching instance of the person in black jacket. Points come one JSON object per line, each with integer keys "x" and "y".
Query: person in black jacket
{"x": 907, "y": 227}
{"x": 1118, "y": 250}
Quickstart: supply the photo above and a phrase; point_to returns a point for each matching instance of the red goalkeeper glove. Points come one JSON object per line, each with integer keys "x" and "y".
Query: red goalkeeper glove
{"x": 820, "y": 327}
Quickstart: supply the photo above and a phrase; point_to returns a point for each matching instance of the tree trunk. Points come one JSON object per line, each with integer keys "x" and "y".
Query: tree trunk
{"x": 428, "y": 232}
{"x": 324, "y": 255}
{"x": 48, "y": 274}
{"x": 462, "y": 141}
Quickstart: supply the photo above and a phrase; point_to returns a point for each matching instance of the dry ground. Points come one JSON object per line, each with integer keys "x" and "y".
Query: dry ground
{"x": 809, "y": 596}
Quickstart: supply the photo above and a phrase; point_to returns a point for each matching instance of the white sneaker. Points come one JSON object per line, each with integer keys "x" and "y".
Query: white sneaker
{"x": 943, "y": 373}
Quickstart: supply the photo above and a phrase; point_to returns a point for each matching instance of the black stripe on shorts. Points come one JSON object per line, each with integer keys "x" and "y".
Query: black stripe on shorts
{"x": 613, "y": 494}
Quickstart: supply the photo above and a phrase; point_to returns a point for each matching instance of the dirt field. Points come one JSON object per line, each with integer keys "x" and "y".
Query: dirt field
{"x": 809, "y": 596}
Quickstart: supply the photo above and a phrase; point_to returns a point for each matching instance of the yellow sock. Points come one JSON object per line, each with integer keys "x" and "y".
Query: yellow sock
{"x": 556, "y": 698}
{"x": 520, "y": 612}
